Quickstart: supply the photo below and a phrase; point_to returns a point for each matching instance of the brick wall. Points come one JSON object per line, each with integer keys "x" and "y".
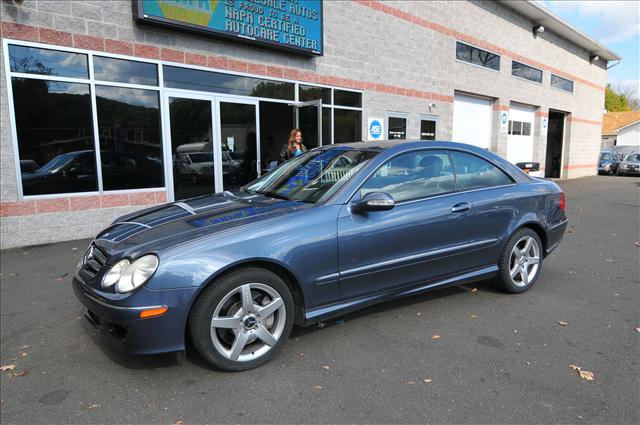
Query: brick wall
{"x": 400, "y": 53}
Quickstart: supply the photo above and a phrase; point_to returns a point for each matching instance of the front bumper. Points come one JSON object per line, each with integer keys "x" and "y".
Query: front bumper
{"x": 118, "y": 321}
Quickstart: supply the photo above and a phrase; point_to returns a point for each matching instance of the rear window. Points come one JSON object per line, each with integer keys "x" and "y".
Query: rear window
{"x": 473, "y": 172}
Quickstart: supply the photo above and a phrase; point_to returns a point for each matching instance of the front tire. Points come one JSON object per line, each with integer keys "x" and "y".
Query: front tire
{"x": 520, "y": 262}
{"x": 242, "y": 319}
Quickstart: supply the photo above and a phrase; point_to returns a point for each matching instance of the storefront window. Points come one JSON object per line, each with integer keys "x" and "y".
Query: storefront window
{"x": 348, "y": 126}
{"x": 326, "y": 126}
{"x": 55, "y": 136}
{"x": 216, "y": 82}
{"x": 397, "y": 128}
{"x": 347, "y": 98}
{"x": 31, "y": 60}
{"x": 306, "y": 93}
{"x": 130, "y": 138}
{"x": 125, "y": 71}
{"x": 427, "y": 130}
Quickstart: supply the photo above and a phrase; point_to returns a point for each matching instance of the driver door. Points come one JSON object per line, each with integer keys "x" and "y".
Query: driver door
{"x": 424, "y": 237}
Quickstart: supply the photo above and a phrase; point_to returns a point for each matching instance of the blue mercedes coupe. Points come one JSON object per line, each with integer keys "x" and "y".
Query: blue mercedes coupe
{"x": 336, "y": 229}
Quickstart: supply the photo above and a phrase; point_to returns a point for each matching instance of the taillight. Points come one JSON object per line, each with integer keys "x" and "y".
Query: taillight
{"x": 563, "y": 201}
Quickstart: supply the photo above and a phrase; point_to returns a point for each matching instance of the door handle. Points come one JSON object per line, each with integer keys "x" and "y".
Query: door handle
{"x": 461, "y": 207}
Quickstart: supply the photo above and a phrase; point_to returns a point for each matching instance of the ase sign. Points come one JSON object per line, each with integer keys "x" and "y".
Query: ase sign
{"x": 375, "y": 129}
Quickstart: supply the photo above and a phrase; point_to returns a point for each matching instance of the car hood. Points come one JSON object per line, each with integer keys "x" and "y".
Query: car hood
{"x": 159, "y": 228}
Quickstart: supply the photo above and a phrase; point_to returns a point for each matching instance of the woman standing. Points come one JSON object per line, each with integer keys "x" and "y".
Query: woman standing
{"x": 293, "y": 147}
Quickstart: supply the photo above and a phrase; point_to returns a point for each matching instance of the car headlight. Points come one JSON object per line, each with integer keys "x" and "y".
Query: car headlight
{"x": 128, "y": 276}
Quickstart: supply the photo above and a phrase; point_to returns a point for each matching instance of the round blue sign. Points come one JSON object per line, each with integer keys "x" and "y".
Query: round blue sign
{"x": 504, "y": 118}
{"x": 375, "y": 129}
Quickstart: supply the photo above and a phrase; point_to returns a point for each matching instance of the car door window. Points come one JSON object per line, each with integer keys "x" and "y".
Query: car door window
{"x": 413, "y": 175}
{"x": 473, "y": 172}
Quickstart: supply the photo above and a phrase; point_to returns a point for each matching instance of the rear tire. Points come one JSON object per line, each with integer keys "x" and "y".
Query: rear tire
{"x": 520, "y": 262}
{"x": 242, "y": 319}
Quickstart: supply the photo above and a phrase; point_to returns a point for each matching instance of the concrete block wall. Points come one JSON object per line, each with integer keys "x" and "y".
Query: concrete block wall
{"x": 401, "y": 54}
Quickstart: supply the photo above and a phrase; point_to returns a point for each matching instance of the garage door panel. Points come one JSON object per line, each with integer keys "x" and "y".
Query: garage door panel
{"x": 472, "y": 120}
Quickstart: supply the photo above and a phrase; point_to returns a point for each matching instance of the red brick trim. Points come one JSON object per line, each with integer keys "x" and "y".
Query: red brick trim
{"x": 416, "y": 20}
{"x": 542, "y": 114}
{"x": 499, "y": 107}
{"x": 579, "y": 166}
{"x": 79, "y": 203}
{"x": 572, "y": 118}
{"x": 29, "y": 33}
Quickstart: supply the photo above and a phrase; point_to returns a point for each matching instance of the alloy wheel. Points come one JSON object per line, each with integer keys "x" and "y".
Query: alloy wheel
{"x": 248, "y": 322}
{"x": 524, "y": 261}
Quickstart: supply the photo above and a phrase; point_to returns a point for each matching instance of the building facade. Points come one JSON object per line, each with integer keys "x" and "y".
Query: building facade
{"x": 105, "y": 111}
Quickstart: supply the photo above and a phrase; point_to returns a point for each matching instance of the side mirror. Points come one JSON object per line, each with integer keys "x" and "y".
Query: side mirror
{"x": 374, "y": 201}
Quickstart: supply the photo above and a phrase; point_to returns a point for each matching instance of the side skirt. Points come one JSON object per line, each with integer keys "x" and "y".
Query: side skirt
{"x": 343, "y": 307}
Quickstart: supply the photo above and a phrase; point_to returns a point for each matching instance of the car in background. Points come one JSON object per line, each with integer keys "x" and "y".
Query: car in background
{"x": 606, "y": 163}
{"x": 630, "y": 165}
{"x": 336, "y": 229}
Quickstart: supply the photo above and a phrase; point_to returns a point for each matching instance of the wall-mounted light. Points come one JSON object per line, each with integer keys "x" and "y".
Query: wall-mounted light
{"x": 594, "y": 58}
{"x": 431, "y": 105}
{"x": 538, "y": 29}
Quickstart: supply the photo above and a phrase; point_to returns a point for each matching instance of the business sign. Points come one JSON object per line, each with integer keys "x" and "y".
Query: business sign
{"x": 375, "y": 129}
{"x": 504, "y": 122}
{"x": 293, "y": 25}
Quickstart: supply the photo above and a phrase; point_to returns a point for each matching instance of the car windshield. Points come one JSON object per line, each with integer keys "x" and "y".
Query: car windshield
{"x": 605, "y": 156}
{"x": 634, "y": 157}
{"x": 312, "y": 177}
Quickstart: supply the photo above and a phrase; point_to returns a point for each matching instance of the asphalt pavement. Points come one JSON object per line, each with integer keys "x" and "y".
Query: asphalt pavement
{"x": 464, "y": 355}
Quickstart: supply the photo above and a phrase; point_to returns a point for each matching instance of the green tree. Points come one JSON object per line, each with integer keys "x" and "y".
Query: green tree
{"x": 618, "y": 100}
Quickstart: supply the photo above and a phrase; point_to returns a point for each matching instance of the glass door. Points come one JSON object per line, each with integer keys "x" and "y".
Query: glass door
{"x": 193, "y": 146}
{"x": 213, "y": 143}
{"x": 238, "y": 135}
{"x": 308, "y": 119}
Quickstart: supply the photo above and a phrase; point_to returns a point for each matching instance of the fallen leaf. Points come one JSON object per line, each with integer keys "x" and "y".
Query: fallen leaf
{"x": 178, "y": 422}
{"x": 321, "y": 325}
{"x": 562, "y": 323}
{"x": 24, "y": 354}
{"x": 301, "y": 354}
{"x": 23, "y": 373}
{"x": 474, "y": 289}
{"x": 427, "y": 380}
{"x": 418, "y": 314}
{"x": 6, "y": 367}
{"x": 638, "y": 329}
{"x": 93, "y": 406}
{"x": 326, "y": 367}
{"x": 411, "y": 383}
{"x": 584, "y": 374}
{"x": 24, "y": 347}
{"x": 637, "y": 243}
{"x": 436, "y": 337}
{"x": 473, "y": 316}
{"x": 317, "y": 387}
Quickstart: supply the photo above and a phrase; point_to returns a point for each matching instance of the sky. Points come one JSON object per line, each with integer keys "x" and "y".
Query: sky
{"x": 616, "y": 24}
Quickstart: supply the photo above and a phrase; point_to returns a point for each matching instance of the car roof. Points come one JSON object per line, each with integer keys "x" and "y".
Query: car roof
{"x": 380, "y": 145}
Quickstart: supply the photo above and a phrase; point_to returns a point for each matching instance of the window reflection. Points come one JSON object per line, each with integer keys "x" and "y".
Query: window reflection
{"x": 561, "y": 83}
{"x": 347, "y": 98}
{"x": 130, "y": 138}
{"x": 125, "y": 71}
{"x": 31, "y": 60}
{"x": 348, "y": 126}
{"x": 54, "y": 128}
{"x": 193, "y": 79}
{"x": 526, "y": 72}
{"x": 476, "y": 56}
{"x": 397, "y": 128}
{"x": 307, "y": 93}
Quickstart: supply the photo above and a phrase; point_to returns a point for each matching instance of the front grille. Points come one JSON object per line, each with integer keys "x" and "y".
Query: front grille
{"x": 93, "y": 261}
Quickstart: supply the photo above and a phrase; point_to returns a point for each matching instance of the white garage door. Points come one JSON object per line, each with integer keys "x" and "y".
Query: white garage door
{"x": 520, "y": 138}
{"x": 472, "y": 120}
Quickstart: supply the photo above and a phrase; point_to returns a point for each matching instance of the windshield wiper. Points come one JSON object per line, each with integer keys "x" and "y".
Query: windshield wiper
{"x": 273, "y": 194}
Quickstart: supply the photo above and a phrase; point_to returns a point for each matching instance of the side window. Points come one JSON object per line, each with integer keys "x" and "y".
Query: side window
{"x": 473, "y": 172}
{"x": 413, "y": 175}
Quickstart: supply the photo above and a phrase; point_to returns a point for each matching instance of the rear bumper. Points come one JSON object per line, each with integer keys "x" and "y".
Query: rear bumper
{"x": 121, "y": 326}
{"x": 555, "y": 235}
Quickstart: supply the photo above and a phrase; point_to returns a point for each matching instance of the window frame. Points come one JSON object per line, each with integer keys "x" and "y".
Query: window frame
{"x": 355, "y": 193}
{"x": 401, "y": 115}
{"x": 161, "y": 88}
{"x": 573, "y": 84}
{"x": 526, "y": 79}
{"x": 455, "y": 56}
